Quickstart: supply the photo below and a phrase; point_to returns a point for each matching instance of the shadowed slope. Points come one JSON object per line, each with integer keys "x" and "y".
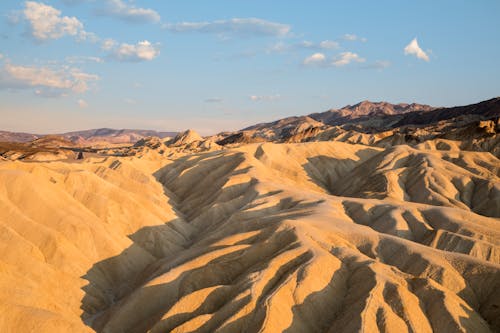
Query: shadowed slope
{"x": 315, "y": 237}
{"x": 270, "y": 252}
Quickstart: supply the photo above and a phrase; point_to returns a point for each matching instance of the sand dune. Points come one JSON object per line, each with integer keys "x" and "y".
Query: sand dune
{"x": 306, "y": 237}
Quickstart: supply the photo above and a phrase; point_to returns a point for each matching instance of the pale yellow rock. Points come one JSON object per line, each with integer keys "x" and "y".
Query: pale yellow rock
{"x": 305, "y": 237}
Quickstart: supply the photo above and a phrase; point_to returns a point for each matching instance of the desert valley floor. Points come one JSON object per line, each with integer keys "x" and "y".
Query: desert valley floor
{"x": 265, "y": 237}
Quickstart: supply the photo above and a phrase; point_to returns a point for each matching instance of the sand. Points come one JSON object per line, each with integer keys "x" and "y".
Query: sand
{"x": 305, "y": 237}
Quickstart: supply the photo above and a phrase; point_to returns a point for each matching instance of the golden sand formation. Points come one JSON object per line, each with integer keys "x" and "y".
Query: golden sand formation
{"x": 296, "y": 237}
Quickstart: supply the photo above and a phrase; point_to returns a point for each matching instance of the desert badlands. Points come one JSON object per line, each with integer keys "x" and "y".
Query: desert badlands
{"x": 292, "y": 226}
{"x": 249, "y": 166}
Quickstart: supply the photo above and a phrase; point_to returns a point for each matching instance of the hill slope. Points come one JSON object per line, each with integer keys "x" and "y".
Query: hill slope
{"x": 305, "y": 237}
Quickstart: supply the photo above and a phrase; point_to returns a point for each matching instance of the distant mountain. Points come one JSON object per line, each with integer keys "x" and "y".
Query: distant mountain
{"x": 366, "y": 109}
{"x": 114, "y": 135}
{"x": 52, "y": 141}
{"x": 104, "y": 135}
{"x": 484, "y": 110}
{"x": 363, "y": 111}
{"x": 46, "y": 148}
{"x": 471, "y": 127}
{"x": 6, "y": 136}
{"x": 372, "y": 117}
{"x": 372, "y": 123}
{"x": 283, "y": 127}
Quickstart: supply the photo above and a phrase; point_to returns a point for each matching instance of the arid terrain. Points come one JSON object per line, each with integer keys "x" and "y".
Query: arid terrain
{"x": 375, "y": 217}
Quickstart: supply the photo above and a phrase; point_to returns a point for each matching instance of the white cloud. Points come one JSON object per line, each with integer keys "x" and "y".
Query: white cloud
{"x": 127, "y": 12}
{"x": 320, "y": 60}
{"x": 142, "y": 51}
{"x": 130, "y": 101}
{"x": 346, "y": 58}
{"x": 80, "y": 80}
{"x": 257, "y": 98}
{"x": 353, "y": 37}
{"x": 315, "y": 59}
{"x": 240, "y": 26}
{"x": 279, "y": 47}
{"x": 328, "y": 44}
{"x": 85, "y": 36}
{"x": 45, "y": 81}
{"x": 46, "y": 22}
{"x": 414, "y": 49}
{"x": 108, "y": 44}
{"x": 324, "y": 45}
{"x": 83, "y": 59}
{"x": 283, "y": 47}
{"x": 82, "y": 104}
{"x": 350, "y": 37}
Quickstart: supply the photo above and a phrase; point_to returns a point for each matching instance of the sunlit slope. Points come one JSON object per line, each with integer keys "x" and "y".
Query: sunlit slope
{"x": 56, "y": 220}
{"x": 312, "y": 237}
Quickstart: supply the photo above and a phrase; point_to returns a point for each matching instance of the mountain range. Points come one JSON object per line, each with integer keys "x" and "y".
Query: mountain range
{"x": 90, "y": 136}
{"x": 364, "y": 117}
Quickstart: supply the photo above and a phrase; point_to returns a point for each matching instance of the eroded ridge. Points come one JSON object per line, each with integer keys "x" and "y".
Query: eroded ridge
{"x": 310, "y": 237}
{"x": 275, "y": 247}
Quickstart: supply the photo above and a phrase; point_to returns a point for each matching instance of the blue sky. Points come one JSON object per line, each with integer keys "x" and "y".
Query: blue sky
{"x": 224, "y": 65}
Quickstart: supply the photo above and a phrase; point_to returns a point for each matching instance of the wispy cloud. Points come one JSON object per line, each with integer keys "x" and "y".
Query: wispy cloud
{"x": 379, "y": 64}
{"x": 346, "y": 58}
{"x": 353, "y": 37}
{"x": 315, "y": 59}
{"x": 15, "y": 17}
{"x": 85, "y": 36}
{"x": 108, "y": 44}
{"x": 260, "y": 98}
{"x": 414, "y": 49}
{"x": 46, "y": 22}
{"x": 286, "y": 47}
{"x": 130, "y": 101}
{"x": 83, "y": 59}
{"x": 213, "y": 100}
{"x": 239, "y": 26}
{"x": 342, "y": 59}
{"x": 142, "y": 51}
{"x": 128, "y": 12}
{"x": 82, "y": 103}
{"x": 328, "y": 44}
{"x": 45, "y": 81}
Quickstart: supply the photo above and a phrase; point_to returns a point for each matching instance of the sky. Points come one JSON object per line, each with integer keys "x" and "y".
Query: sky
{"x": 224, "y": 65}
